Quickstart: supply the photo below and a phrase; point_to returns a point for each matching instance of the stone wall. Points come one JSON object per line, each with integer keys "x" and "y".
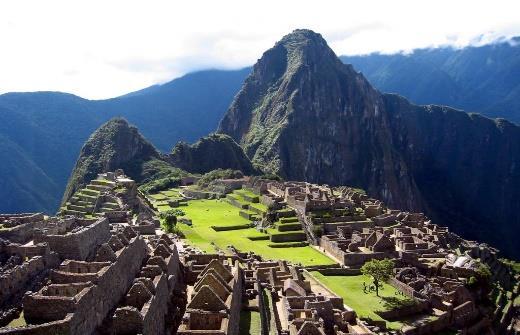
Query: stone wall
{"x": 81, "y": 244}
{"x": 90, "y": 305}
{"x": 236, "y": 300}
{"x": 19, "y": 228}
{"x": 18, "y": 277}
{"x": 359, "y": 258}
{"x": 331, "y": 227}
{"x": 428, "y": 328}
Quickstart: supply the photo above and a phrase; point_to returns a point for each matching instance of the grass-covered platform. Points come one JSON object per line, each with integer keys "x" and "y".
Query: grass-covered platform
{"x": 350, "y": 288}
{"x": 206, "y": 214}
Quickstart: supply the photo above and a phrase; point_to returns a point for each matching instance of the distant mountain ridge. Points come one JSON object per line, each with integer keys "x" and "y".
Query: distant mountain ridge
{"x": 41, "y": 133}
{"x": 483, "y": 79}
{"x": 55, "y": 125}
{"x": 305, "y": 115}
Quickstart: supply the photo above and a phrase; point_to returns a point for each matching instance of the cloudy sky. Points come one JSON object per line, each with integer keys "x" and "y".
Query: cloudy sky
{"x": 100, "y": 49}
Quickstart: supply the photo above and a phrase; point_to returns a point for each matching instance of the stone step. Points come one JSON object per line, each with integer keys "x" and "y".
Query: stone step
{"x": 73, "y": 212}
{"x": 83, "y": 203}
{"x": 103, "y": 182}
{"x": 80, "y": 208}
{"x": 89, "y": 191}
{"x": 105, "y": 209}
{"x": 111, "y": 205}
{"x": 99, "y": 188}
{"x": 90, "y": 199}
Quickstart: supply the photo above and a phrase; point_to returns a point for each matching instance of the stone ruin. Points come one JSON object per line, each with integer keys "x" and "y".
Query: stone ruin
{"x": 113, "y": 271}
{"x": 353, "y": 228}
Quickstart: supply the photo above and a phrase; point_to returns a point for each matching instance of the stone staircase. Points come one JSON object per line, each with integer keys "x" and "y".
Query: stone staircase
{"x": 83, "y": 202}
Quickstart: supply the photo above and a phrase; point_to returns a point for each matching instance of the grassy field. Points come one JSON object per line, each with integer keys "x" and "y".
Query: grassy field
{"x": 207, "y": 213}
{"x": 350, "y": 288}
{"x": 250, "y": 323}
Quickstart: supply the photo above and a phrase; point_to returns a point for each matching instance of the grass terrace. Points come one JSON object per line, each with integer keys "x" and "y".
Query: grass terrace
{"x": 350, "y": 288}
{"x": 207, "y": 213}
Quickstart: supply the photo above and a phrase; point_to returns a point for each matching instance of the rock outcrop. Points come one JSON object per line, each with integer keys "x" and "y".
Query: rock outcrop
{"x": 305, "y": 115}
{"x": 210, "y": 153}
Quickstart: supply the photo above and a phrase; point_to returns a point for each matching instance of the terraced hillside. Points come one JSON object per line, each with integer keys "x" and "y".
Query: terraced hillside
{"x": 88, "y": 201}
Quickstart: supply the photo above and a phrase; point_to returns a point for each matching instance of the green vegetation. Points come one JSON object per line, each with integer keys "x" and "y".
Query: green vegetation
{"x": 170, "y": 219}
{"x": 350, "y": 288}
{"x": 515, "y": 266}
{"x": 483, "y": 271}
{"x": 209, "y": 153}
{"x": 107, "y": 150}
{"x": 18, "y": 322}
{"x": 158, "y": 176}
{"x": 207, "y": 213}
{"x": 250, "y": 323}
{"x": 379, "y": 270}
{"x": 174, "y": 212}
{"x": 206, "y": 179}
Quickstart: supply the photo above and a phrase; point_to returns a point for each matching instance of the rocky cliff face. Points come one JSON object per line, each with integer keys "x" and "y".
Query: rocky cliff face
{"x": 209, "y": 153}
{"x": 306, "y": 116}
{"x": 115, "y": 145}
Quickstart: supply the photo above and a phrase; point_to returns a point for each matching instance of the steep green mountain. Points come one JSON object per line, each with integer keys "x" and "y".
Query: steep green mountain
{"x": 115, "y": 145}
{"x": 305, "y": 115}
{"x": 48, "y": 129}
{"x": 484, "y": 79}
{"x": 209, "y": 153}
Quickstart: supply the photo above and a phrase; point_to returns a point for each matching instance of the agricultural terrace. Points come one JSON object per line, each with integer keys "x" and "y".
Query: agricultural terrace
{"x": 219, "y": 223}
{"x": 350, "y": 288}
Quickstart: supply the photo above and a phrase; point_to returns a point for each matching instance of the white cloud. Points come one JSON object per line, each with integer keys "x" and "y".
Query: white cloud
{"x": 100, "y": 49}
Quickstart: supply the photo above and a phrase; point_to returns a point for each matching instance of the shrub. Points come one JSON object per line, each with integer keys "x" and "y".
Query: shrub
{"x": 160, "y": 185}
{"x": 318, "y": 230}
{"x": 176, "y": 212}
{"x": 174, "y": 230}
{"x": 170, "y": 219}
{"x": 219, "y": 174}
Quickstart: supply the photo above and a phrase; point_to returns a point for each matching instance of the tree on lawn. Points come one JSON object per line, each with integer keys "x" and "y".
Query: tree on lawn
{"x": 379, "y": 270}
{"x": 170, "y": 220}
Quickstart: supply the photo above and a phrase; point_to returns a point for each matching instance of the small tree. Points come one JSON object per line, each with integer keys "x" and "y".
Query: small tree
{"x": 170, "y": 220}
{"x": 379, "y": 270}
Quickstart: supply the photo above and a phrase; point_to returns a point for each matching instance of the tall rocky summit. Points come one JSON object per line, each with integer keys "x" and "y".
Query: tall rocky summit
{"x": 305, "y": 115}
{"x": 115, "y": 145}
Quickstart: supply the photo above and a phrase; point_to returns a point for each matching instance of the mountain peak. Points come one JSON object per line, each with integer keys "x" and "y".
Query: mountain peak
{"x": 300, "y": 79}
{"x": 305, "y": 47}
{"x": 303, "y": 36}
{"x": 114, "y": 145}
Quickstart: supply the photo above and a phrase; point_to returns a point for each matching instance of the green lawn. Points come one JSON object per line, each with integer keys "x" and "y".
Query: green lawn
{"x": 350, "y": 288}
{"x": 250, "y": 323}
{"x": 207, "y": 213}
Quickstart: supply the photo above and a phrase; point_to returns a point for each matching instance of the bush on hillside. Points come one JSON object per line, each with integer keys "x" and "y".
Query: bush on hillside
{"x": 219, "y": 174}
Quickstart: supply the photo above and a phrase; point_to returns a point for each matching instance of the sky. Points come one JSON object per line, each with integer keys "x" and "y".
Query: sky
{"x": 102, "y": 49}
